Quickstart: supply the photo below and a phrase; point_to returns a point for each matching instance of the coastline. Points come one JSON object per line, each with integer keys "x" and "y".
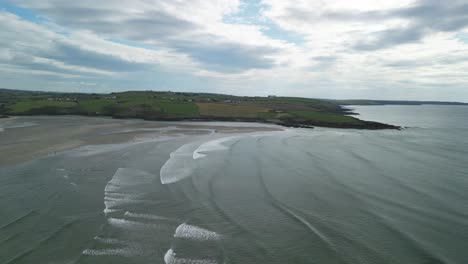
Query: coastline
{"x": 194, "y": 107}
{"x": 291, "y": 123}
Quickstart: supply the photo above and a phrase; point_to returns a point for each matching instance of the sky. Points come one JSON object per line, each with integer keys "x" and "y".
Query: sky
{"x": 342, "y": 49}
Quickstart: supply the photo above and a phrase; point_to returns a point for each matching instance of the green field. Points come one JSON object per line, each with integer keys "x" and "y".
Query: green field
{"x": 30, "y": 106}
{"x": 230, "y": 110}
{"x": 150, "y": 105}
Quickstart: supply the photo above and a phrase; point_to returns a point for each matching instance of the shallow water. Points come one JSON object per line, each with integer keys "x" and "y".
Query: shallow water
{"x": 297, "y": 196}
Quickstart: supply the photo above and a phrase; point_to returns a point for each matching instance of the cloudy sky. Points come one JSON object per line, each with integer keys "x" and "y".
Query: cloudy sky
{"x": 399, "y": 49}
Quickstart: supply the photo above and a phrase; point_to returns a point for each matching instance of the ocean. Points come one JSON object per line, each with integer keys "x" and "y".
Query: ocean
{"x": 294, "y": 196}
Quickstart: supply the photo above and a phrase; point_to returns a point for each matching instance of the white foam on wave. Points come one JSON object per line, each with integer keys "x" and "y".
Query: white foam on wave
{"x": 196, "y": 233}
{"x": 118, "y": 191}
{"x": 108, "y": 211}
{"x": 146, "y": 216}
{"x": 111, "y": 241}
{"x": 121, "y": 252}
{"x": 9, "y": 124}
{"x": 124, "y": 195}
{"x": 209, "y": 146}
{"x": 129, "y": 130}
{"x": 128, "y": 224}
{"x": 92, "y": 150}
{"x": 113, "y": 203}
{"x": 170, "y": 258}
{"x": 180, "y": 165}
{"x": 130, "y": 177}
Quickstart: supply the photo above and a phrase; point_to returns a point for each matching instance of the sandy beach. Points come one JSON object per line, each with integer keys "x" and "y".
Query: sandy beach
{"x": 26, "y": 138}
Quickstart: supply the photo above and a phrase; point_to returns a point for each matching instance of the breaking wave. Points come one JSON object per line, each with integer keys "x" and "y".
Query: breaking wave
{"x": 196, "y": 233}
{"x": 180, "y": 165}
{"x": 171, "y": 258}
{"x": 209, "y": 146}
{"x": 118, "y": 191}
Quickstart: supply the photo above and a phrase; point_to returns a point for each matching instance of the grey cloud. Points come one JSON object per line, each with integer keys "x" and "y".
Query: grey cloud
{"x": 74, "y": 55}
{"x": 149, "y": 25}
{"x": 424, "y": 62}
{"x": 165, "y": 29}
{"x": 323, "y": 62}
{"x": 70, "y": 55}
{"x": 424, "y": 17}
{"x": 155, "y": 25}
{"x": 227, "y": 57}
{"x": 27, "y": 62}
{"x": 391, "y": 37}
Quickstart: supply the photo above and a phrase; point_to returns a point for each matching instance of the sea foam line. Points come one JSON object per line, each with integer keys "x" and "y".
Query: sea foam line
{"x": 128, "y": 224}
{"x": 147, "y": 216}
{"x": 170, "y": 258}
{"x": 111, "y": 241}
{"x": 123, "y": 252}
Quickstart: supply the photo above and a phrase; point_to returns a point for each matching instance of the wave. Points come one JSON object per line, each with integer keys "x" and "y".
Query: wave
{"x": 116, "y": 202}
{"x": 41, "y": 242}
{"x": 180, "y": 164}
{"x": 9, "y": 238}
{"x": 195, "y": 233}
{"x": 129, "y": 224}
{"x": 418, "y": 245}
{"x": 8, "y": 125}
{"x": 18, "y": 219}
{"x": 118, "y": 191}
{"x": 209, "y": 146}
{"x": 148, "y": 216}
{"x": 170, "y": 258}
{"x": 111, "y": 241}
{"x": 121, "y": 252}
{"x": 130, "y": 177}
{"x": 92, "y": 150}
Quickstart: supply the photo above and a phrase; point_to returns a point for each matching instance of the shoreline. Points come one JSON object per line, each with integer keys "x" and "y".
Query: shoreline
{"x": 365, "y": 125}
{"x": 50, "y": 135}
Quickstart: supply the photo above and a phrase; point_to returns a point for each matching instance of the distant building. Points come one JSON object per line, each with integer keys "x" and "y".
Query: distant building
{"x": 272, "y": 96}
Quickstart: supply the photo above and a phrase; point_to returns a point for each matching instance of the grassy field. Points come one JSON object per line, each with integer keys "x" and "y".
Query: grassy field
{"x": 30, "y": 106}
{"x": 230, "y": 110}
{"x": 151, "y": 105}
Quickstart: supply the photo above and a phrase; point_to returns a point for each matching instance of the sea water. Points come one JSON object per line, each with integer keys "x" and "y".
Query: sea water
{"x": 295, "y": 196}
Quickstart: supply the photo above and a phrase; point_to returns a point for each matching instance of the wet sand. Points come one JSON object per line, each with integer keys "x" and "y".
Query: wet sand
{"x": 27, "y": 138}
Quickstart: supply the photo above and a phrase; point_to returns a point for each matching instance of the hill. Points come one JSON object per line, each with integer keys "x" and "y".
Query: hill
{"x": 151, "y": 105}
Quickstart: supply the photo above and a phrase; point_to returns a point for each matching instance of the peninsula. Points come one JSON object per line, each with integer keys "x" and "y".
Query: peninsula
{"x": 177, "y": 106}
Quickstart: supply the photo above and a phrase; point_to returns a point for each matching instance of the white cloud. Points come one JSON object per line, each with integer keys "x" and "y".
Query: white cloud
{"x": 348, "y": 48}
